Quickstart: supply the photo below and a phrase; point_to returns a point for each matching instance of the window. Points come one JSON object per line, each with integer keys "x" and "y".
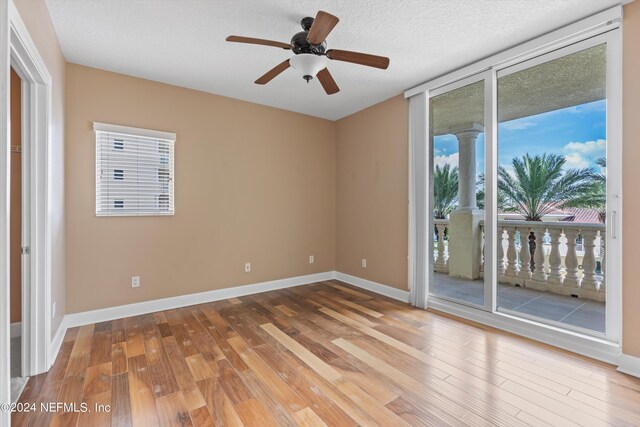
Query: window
{"x": 134, "y": 171}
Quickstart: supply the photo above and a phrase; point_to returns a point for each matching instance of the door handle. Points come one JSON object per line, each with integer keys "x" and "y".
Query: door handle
{"x": 614, "y": 234}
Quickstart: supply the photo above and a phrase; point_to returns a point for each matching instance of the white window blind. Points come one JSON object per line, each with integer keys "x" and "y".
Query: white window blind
{"x": 134, "y": 171}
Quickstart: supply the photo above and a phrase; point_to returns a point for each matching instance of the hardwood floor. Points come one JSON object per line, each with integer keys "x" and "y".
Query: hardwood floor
{"x": 325, "y": 354}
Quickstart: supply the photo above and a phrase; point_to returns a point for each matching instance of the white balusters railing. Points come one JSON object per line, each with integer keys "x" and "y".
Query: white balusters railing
{"x": 501, "y": 255}
{"x": 441, "y": 255}
{"x": 571, "y": 278}
{"x": 590, "y": 282}
{"x": 603, "y": 266}
{"x": 525, "y": 255}
{"x": 539, "y": 276}
{"x": 559, "y": 264}
{"x": 554, "y": 278}
{"x": 511, "y": 270}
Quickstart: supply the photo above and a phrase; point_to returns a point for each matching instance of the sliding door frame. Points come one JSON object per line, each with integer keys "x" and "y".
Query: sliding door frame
{"x": 613, "y": 244}
{"x": 491, "y": 191}
{"x": 485, "y": 76}
{"x": 602, "y": 27}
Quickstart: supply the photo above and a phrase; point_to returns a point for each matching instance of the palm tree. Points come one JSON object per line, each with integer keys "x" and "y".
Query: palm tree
{"x": 445, "y": 190}
{"x": 538, "y": 185}
{"x": 480, "y": 202}
{"x": 596, "y": 198}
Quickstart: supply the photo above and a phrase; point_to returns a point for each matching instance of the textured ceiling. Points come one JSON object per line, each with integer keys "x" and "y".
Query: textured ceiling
{"x": 181, "y": 42}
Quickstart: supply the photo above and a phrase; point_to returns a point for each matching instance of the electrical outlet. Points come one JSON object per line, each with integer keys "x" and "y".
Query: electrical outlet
{"x": 247, "y": 267}
{"x": 53, "y": 310}
{"x": 364, "y": 263}
{"x": 312, "y": 259}
{"x": 135, "y": 282}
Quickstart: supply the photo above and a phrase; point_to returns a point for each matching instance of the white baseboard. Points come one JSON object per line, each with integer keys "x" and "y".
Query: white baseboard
{"x": 629, "y": 365}
{"x": 106, "y": 314}
{"x": 578, "y": 343}
{"x": 56, "y": 341}
{"x": 112, "y": 313}
{"x": 378, "y": 288}
{"x": 16, "y": 329}
{"x": 597, "y": 349}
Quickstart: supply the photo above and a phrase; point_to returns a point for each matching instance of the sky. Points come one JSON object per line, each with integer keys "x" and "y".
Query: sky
{"x": 578, "y": 133}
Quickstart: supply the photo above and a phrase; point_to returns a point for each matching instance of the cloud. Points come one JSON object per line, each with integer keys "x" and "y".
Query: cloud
{"x": 581, "y": 154}
{"x": 451, "y": 159}
{"x": 576, "y": 161}
{"x": 445, "y": 138}
{"x": 509, "y": 168}
{"x": 597, "y": 106}
{"x": 518, "y": 125}
{"x": 588, "y": 148}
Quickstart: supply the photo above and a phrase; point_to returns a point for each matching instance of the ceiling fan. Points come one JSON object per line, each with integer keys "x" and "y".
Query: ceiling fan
{"x": 310, "y": 49}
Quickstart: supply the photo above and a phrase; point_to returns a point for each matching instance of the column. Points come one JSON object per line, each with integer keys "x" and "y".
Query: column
{"x": 464, "y": 223}
{"x": 467, "y": 169}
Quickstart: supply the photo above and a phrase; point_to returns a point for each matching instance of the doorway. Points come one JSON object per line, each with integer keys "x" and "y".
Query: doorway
{"x": 456, "y": 123}
{"x": 18, "y": 370}
{"x": 18, "y": 52}
{"x": 552, "y": 190}
{"x": 553, "y": 213}
{"x": 520, "y": 187}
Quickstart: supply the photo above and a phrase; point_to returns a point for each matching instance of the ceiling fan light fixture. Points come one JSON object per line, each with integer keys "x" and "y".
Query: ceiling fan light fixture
{"x": 310, "y": 53}
{"x": 308, "y": 64}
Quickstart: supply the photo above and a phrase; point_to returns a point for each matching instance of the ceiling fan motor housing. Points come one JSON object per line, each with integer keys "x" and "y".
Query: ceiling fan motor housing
{"x": 300, "y": 44}
{"x": 306, "y": 23}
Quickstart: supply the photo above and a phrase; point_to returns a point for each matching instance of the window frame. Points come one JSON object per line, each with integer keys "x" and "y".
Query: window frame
{"x": 132, "y": 132}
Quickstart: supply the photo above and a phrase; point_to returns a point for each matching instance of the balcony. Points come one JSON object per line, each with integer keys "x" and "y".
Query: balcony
{"x": 557, "y": 275}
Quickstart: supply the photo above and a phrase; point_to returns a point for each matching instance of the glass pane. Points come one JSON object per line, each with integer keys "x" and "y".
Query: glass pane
{"x": 552, "y": 191}
{"x": 457, "y": 193}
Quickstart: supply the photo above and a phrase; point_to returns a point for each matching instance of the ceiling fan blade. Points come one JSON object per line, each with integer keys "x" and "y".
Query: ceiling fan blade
{"x": 321, "y": 27}
{"x": 269, "y": 75}
{"x": 327, "y": 82}
{"x": 358, "y": 58}
{"x": 251, "y": 40}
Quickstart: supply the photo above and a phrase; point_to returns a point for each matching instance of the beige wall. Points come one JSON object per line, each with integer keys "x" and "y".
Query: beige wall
{"x": 630, "y": 178}
{"x": 252, "y": 184}
{"x": 16, "y": 202}
{"x": 372, "y": 192}
{"x": 36, "y": 18}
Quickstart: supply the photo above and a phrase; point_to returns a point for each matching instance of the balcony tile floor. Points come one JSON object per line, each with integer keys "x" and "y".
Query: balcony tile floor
{"x": 572, "y": 311}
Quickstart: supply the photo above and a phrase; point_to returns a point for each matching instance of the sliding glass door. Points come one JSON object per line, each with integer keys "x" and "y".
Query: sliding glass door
{"x": 456, "y": 123}
{"x": 552, "y": 188}
{"x": 531, "y": 231}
